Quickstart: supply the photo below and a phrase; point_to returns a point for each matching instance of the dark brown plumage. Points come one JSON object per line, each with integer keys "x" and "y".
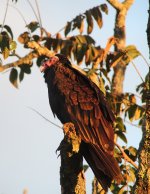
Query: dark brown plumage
{"x": 74, "y": 98}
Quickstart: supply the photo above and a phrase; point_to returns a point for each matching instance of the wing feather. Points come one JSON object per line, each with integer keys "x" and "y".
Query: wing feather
{"x": 87, "y": 107}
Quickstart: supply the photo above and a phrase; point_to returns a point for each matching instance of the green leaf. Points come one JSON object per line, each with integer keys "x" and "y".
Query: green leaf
{"x": 36, "y": 38}
{"x": 81, "y": 39}
{"x": 81, "y": 50}
{"x": 13, "y": 77}
{"x": 4, "y": 40}
{"x": 132, "y": 150}
{"x": 6, "y": 53}
{"x": 104, "y": 8}
{"x": 122, "y": 136}
{"x": 120, "y": 125}
{"x": 85, "y": 167}
{"x": 101, "y": 85}
{"x": 13, "y": 45}
{"x": 40, "y": 60}
{"x": 21, "y": 75}
{"x": 9, "y": 30}
{"x": 89, "y": 21}
{"x": 131, "y": 53}
{"x": 131, "y": 112}
{"x": 78, "y": 22}
{"x": 96, "y": 13}
{"x": 89, "y": 39}
{"x": 26, "y": 68}
{"x": 68, "y": 28}
{"x": 33, "y": 26}
{"x": 24, "y": 38}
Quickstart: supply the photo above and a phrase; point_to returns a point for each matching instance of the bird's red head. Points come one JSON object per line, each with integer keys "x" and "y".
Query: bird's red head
{"x": 51, "y": 61}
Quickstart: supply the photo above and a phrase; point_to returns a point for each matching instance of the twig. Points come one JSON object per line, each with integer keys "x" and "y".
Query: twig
{"x": 125, "y": 156}
{"x": 5, "y": 15}
{"x": 33, "y": 10}
{"x": 44, "y": 117}
{"x": 137, "y": 71}
{"x": 19, "y": 13}
{"x": 38, "y": 10}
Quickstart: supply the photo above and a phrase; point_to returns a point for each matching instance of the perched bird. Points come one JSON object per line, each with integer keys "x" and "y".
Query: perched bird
{"x": 75, "y": 98}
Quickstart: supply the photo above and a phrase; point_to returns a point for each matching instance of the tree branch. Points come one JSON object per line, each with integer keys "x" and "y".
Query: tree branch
{"x": 125, "y": 156}
{"x": 27, "y": 59}
{"x": 119, "y": 6}
{"x": 116, "y": 4}
{"x": 128, "y": 3}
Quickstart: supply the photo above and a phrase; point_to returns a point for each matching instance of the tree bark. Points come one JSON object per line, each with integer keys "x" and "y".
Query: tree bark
{"x": 97, "y": 188}
{"x": 71, "y": 171}
{"x": 148, "y": 29}
{"x": 120, "y": 35}
{"x": 142, "y": 185}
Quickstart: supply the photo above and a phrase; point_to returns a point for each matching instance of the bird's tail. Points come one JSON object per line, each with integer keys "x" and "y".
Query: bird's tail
{"x": 104, "y": 166}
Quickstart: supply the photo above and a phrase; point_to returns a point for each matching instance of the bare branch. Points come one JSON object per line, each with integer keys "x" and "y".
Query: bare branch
{"x": 39, "y": 15}
{"x": 45, "y": 118}
{"x": 5, "y": 15}
{"x": 125, "y": 156}
{"x": 33, "y": 10}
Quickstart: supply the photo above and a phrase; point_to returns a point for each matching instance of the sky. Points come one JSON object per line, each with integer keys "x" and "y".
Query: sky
{"x": 27, "y": 142}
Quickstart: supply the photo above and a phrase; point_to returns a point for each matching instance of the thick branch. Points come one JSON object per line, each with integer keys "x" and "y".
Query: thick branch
{"x": 148, "y": 30}
{"x": 24, "y": 60}
{"x": 120, "y": 35}
{"x": 142, "y": 184}
{"x": 128, "y": 3}
{"x": 71, "y": 171}
{"x": 27, "y": 59}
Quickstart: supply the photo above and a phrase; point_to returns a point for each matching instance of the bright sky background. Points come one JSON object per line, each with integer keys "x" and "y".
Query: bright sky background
{"x": 27, "y": 142}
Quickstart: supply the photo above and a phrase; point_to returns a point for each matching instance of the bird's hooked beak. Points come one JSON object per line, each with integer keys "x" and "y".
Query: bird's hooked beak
{"x": 46, "y": 64}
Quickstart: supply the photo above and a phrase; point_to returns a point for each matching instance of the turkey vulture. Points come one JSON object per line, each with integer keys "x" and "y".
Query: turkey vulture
{"x": 75, "y": 98}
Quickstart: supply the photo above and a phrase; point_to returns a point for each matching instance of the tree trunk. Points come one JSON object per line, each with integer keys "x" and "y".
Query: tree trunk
{"x": 120, "y": 35}
{"x": 148, "y": 29}
{"x": 142, "y": 185}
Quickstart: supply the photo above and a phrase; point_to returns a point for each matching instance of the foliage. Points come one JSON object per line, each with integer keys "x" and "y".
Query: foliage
{"x": 97, "y": 61}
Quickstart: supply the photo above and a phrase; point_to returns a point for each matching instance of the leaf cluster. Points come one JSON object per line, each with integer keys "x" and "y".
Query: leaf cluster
{"x": 91, "y": 15}
{"x": 7, "y": 44}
